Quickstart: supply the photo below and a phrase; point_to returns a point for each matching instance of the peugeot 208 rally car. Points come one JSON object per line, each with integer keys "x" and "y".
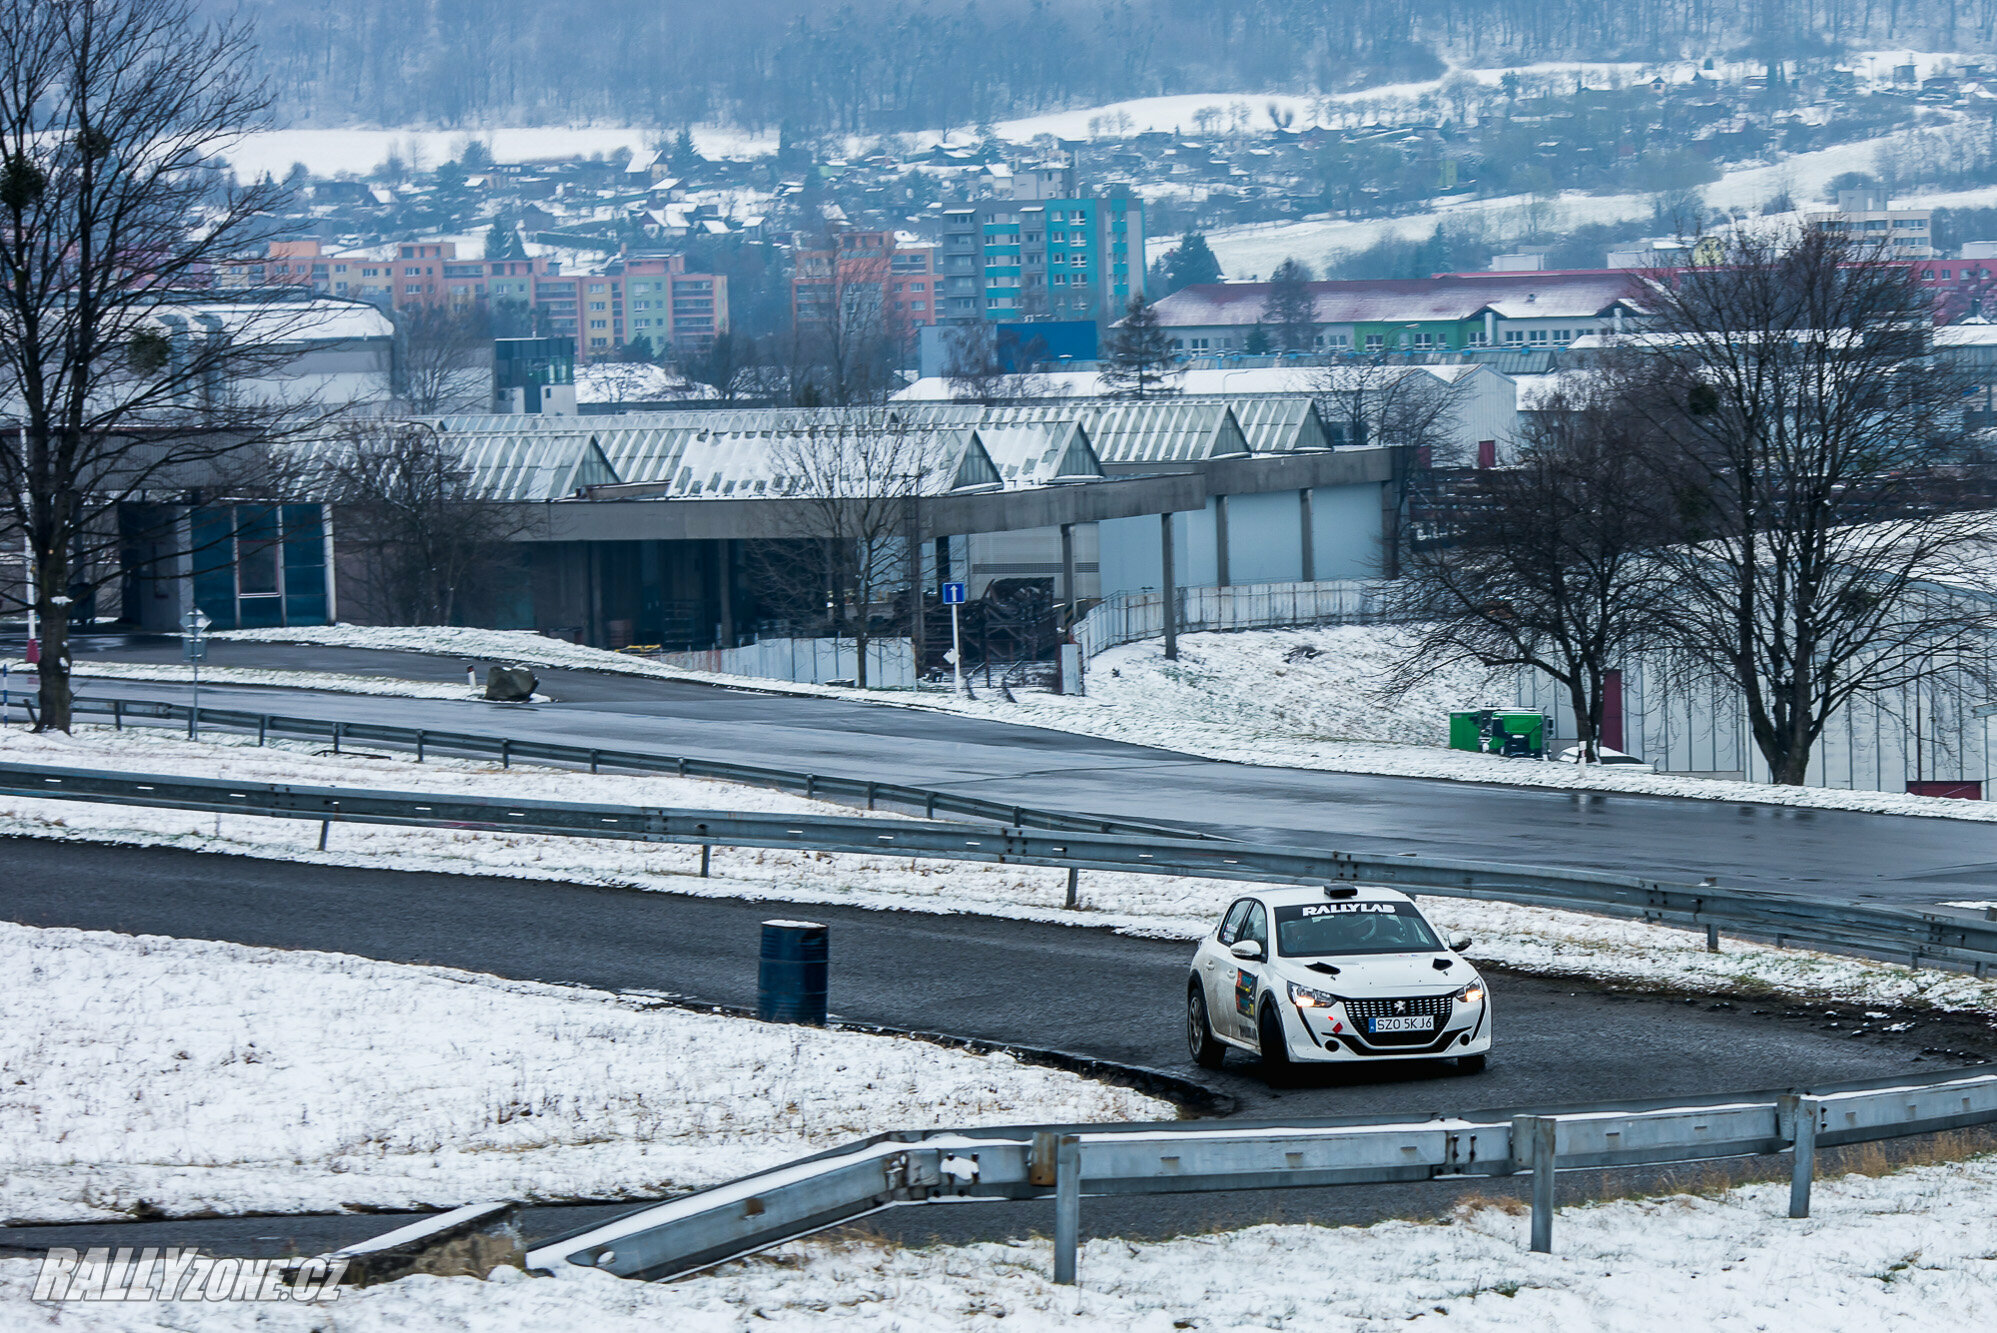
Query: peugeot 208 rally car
{"x": 1334, "y": 974}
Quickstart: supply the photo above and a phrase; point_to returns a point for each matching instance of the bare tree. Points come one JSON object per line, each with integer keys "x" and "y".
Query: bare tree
{"x": 1374, "y": 402}
{"x": 729, "y": 365}
{"x": 116, "y": 382}
{"x": 847, "y": 341}
{"x": 446, "y": 359}
{"x": 853, "y": 480}
{"x": 427, "y": 546}
{"x": 1802, "y": 412}
{"x": 989, "y": 366}
{"x": 1549, "y": 563}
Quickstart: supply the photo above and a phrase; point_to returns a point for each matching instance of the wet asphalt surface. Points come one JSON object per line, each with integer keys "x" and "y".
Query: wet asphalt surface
{"x": 1836, "y": 855}
{"x": 1084, "y": 991}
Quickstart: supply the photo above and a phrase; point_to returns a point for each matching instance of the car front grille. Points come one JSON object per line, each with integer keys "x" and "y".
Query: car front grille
{"x": 1438, "y": 1005}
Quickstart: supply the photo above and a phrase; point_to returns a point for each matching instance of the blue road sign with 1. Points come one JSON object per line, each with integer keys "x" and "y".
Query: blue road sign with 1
{"x": 953, "y": 594}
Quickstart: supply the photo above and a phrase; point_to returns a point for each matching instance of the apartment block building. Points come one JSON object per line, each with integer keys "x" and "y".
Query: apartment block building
{"x": 893, "y": 272}
{"x": 632, "y": 297}
{"x": 1908, "y": 233}
{"x": 1077, "y": 257}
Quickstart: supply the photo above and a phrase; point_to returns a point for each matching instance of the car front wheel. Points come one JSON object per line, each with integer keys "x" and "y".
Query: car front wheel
{"x": 1208, "y": 1053}
{"x": 1275, "y": 1048}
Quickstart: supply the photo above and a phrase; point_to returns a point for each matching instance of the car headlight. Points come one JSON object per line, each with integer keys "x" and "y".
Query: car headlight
{"x": 1305, "y": 998}
{"x": 1472, "y": 993}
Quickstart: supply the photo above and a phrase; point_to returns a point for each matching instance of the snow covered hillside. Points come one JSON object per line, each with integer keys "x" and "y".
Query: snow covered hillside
{"x": 186, "y": 1076}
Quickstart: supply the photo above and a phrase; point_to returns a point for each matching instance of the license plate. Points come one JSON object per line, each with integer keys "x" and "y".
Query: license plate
{"x": 1411, "y": 1023}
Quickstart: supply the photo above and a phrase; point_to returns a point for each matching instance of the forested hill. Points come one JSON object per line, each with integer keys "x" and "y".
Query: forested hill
{"x": 920, "y": 64}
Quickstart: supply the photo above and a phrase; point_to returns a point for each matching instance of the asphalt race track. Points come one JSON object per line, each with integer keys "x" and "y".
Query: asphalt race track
{"x": 1835, "y": 854}
{"x": 1089, "y": 992}
{"x": 1086, "y": 991}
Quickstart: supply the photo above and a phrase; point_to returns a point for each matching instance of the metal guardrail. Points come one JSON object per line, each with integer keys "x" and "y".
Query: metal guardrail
{"x": 1920, "y": 937}
{"x": 424, "y": 741}
{"x": 1067, "y": 1162}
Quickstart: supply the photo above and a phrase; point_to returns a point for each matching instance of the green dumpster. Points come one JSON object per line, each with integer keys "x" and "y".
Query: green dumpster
{"x": 1513, "y": 732}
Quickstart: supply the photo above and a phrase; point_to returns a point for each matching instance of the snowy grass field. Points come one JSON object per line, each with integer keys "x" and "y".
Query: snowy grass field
{"x": 1525, "y": 939}
{"x": 1908, "y": 1250}
{"x": 147, "y": 1075}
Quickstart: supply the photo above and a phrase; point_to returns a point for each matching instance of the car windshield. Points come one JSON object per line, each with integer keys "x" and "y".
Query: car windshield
{"x": 1317, "y": 930}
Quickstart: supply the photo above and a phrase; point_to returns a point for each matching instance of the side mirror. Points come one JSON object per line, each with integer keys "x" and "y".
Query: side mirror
{"x": 1458, "y": 943}
{"x": 1251, "y": 950}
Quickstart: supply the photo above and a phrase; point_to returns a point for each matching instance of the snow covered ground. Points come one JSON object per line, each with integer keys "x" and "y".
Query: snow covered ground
{"x": 22, "y": 679}
{"x": 1907, "y": 1250}
{"x": 1520, "y": 938}
{"x": 1257, "y": 248}
{"x": 188, "y": 1076}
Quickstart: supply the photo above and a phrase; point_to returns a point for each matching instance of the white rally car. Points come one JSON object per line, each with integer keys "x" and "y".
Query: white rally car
{"x": 1334, "y": 974}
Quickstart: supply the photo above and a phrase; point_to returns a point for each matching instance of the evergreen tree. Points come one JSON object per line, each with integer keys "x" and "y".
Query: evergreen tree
{"x": 502, "y": 241}
{"x": 1138, "y": 360}
{"x": 1290, "y": 310}
{"x": 1190, "y": 262}
{"x": 1257, "y": 343}
{"x": 684, "y": 156}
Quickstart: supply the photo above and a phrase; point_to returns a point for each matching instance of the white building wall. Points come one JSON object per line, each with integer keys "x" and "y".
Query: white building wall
{"x": 1346, "y": 523}
{"x": 1877, "y": 743}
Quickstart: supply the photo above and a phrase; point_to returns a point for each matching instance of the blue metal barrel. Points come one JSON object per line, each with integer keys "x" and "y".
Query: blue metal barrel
{"x": 790, "y": 986}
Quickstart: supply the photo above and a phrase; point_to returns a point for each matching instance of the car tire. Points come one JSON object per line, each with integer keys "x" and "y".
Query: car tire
{"x": 1275, "y": 1049}
{"x": 1207, "y": 1050}
{"x": 1471, "y": 1064}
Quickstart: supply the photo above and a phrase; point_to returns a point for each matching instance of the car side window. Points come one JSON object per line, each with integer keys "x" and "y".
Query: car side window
{"x": 1258, "y": 927}
{"x": 1237, "y": 915}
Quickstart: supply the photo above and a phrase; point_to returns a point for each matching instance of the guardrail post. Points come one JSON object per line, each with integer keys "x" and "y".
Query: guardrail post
{"x": 1067, "y": 1208}
{"x": 870, "y": 795}
{"x": 1537, "y": 1135}
{"x": 1801, "y": 1113}
{"x": 706, "y": 851}
{"x": 117, "y": 715}
{"x": 810, "y": 786}
{"x": 506, "y": 753}
{"x": 1712, "y": 939}
{"x": 419, "y": 745}
{"x": 1074, "y": 884}
{"x": 592, "y": 760}
{"x": 263, "y": 725}
{"x": 929, "y": 805}
{"x": 339, "y": 730}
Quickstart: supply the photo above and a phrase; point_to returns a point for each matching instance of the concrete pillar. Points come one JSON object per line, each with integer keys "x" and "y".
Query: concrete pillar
{"x": 1170, "y": 582}
{"x": 724, "y": 555}
{"x": 1068, "y": 616}
{"x": 593, "y": 572}
{"x": 1220, "y": 540}
{"x": 1307, "y": 517}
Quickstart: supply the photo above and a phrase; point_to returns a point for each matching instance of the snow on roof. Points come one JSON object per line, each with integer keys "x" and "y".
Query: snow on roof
{"x": 1449, "y": 296}
{"x": 323, "y": 319}
{"x": 1967, "y": 333}
{"x": 1233, "y": 385}
{"x": 633, "y": 381}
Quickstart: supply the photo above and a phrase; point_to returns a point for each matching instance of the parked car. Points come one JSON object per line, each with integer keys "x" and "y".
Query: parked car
{"x": 1604, "y": 755}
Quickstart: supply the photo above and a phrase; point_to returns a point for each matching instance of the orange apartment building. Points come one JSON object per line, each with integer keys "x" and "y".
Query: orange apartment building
{"x": 891, "y": 270}
{"x": 648, "y": 296}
